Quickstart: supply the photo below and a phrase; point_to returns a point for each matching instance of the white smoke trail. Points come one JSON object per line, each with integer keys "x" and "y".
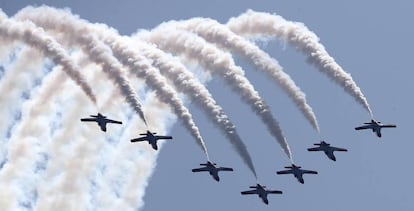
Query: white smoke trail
{"x": 143, "y": 69}
{"x": 83, "y": 37}
{"x": 253, "y": 23}
{"x": 75, "y": 145}
{"x": 186, "y": 82}
{"x": 220, "y": 63}
{"x": 182, "y": 79}
{"x": 25, "y": 149}
{"x": 121, "y": 171}
{"x": 37, "y": 38}
{"x": 215, "y": 32}
{"x": 137, "y": 64}
{"x": 19, "y": 78}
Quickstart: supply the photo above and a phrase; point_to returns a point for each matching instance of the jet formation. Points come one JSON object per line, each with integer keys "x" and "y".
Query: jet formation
{"x": 213, "y": 169}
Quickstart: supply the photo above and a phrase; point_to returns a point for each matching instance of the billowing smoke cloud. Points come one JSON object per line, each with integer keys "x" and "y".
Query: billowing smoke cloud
{"x": 28, "y": 33}
{"x": 54, "y": 162}
{"x": 215, "y": 32}
{"x": 259, "y": 24}
{"x": 96, "y": 50}
{"x": 220, "y": 63}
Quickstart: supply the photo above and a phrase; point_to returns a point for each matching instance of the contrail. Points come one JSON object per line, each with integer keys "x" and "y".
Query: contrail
{"x": 139, "y": 66}
{"x": 253, "y": 23}
{"x": 220, "y": 63}
{"x": 28, "y": 33}
{"x": 96, "y": 50}
{"x": 217, "y": 33}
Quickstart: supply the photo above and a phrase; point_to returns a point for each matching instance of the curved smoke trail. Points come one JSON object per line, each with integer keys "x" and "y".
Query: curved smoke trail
{"x": 253, "y": 23}
{"x": 28, "y": 33}
{"x": 183, "y": 80}
{"x": 220, "y": 63}
{"x": 137, "y": 64}
{"x": 96, "y": 51}
{"x": 140, "y": 66}
{"x": 215, "y": 32}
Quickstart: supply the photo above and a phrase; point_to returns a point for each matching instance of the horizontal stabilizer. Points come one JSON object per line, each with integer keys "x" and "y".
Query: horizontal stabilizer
{"x": 275, "y": 192}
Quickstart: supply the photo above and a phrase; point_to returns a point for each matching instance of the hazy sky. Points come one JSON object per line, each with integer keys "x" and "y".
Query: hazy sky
{"x": 371, "y": 40}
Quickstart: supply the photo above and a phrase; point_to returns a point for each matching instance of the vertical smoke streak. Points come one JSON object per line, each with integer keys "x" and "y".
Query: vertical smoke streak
{"x": 254, "y": 23}
{"x": 19, "y": 84}
{"x": 83, "y": 37}
{"x": 73, "y": 152}
{"x": 220, "y": 63}
{"x": 37, "y": 38}
{"x": 217, "y": 33}
{"x": 25, "y": 149}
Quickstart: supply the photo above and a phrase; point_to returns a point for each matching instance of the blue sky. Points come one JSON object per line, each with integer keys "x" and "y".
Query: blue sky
{"x": 370, "y": 40}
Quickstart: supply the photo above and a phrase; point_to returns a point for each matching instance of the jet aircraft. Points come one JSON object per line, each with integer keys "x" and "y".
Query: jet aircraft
{"x": 327, "y": 148}
{"x": 297, "y": 172}
{"x": 212, "y": 169}
{"x": 261, "y": 192}
{"x": 375, "y": 126}
{"x": 151, "y": 138}
{"x": 101, "y": 120}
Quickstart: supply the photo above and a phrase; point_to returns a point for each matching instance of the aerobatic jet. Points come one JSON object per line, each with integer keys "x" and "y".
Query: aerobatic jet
{"x": 151, "y": 138}
{"x": 101, "y": 120}
{"x": 327, "y": 148}
{"x": 261, "y": 192}
{"x": 212, "y": 169}
{"x": 297, "y": 172}
{"x": 375, "y": 126}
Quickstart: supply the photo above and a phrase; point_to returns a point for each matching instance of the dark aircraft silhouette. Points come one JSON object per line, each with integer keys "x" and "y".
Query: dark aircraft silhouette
{"x": 297, "y": 172}
{"x": 212, "y": 169}
{"x": 327, "y": 148}
{"x": 151, "y": 138}
{"x": 375, "y": 126}
{"x": 261, "y": 192}
{"x": 101, "y": 120}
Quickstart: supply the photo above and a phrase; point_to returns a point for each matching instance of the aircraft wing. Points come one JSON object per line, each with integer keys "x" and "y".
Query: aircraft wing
{"x": 113, "y": 121}
{"x": 309, "y": 172}
{"x": 200, "y": 169}
{"x": 339, "y": 149}
{"x": 285, "y": 172}
{"x": 163, "y": 137}
{"x": 224, "y": 169}
{"x": 363, "y": 127}
{"x": 139, "y": 139}
{"x": 249, "y": 192}
{"x": 88, "y": 120}
{"x": 389, "y": 126}
{"x": 274, "y": 191}
{"x": 314, "y": 149}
